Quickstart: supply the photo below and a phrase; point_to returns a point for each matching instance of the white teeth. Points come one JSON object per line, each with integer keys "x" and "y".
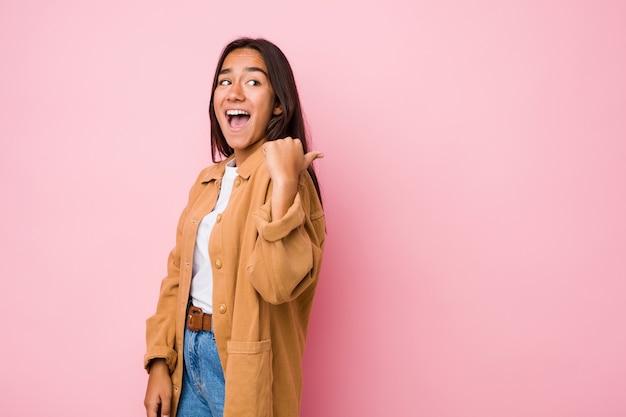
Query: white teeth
{"x": 237, "y": 113}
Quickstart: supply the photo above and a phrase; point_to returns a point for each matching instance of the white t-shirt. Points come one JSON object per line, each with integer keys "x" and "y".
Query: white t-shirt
{"x": 202, "y": 282}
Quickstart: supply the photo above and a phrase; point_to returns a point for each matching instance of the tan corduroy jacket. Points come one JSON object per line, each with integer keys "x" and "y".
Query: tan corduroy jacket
{"x": 264, "y": 277}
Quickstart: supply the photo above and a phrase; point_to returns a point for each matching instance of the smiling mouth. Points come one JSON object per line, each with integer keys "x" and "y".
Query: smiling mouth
{"x": 237, "y": 119}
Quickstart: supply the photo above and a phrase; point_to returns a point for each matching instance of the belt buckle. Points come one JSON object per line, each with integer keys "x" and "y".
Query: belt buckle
{"x": 194, "y": 319}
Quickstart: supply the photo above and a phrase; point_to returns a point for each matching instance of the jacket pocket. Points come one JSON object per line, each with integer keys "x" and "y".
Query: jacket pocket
{"x": 249, "y": 379}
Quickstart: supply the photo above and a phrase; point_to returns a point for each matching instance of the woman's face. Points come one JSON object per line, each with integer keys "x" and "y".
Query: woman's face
{"x": 244, "y": 101}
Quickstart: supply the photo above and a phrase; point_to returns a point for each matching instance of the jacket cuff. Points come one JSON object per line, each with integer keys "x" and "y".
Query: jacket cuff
{"x": 276, "y": 230}
{"x": 168, "y": 354}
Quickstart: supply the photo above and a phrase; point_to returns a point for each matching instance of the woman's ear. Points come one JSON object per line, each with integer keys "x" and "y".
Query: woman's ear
{"x": 278, "y": 109}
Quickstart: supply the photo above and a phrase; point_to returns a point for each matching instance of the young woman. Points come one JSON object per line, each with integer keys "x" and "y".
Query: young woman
{"x": 229, "y": 331}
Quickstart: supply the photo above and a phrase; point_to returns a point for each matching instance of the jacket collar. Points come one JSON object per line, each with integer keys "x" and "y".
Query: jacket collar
{"x": 244, "y": 170}
{"x": 251, "y": 163}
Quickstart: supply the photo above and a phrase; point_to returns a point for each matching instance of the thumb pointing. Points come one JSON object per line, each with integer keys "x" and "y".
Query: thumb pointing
{"x": 310, "y": 157}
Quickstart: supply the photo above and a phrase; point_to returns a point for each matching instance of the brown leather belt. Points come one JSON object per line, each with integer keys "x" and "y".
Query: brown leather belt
{"x": 198, "y": 320}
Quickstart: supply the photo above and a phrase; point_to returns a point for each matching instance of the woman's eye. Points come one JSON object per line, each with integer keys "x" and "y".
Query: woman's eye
{"x": 253, "y": 82}
{"x": 224, "y": 82}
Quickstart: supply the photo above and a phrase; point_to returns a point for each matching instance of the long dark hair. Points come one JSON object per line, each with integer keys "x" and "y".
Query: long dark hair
{"x": 289, "y": 123}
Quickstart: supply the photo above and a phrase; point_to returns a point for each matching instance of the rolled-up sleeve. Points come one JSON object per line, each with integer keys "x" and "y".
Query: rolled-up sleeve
{"x": 161, "y": 327}
{"x": 287, "y": 253}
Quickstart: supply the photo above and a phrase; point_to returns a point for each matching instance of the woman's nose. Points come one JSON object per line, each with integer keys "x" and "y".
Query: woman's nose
{"x": 235, "y": 92}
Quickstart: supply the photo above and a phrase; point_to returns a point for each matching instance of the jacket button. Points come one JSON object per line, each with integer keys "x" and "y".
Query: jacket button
{"x": 237, "y": 181}
{"x": 218, "y": 263}
{"x": 222, "y": 309}
{"x": 219, "y": 218}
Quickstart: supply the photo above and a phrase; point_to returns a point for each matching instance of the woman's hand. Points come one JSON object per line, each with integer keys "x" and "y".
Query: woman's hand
{"x": 285, "y": 160}
{"x": 159, "y": 391}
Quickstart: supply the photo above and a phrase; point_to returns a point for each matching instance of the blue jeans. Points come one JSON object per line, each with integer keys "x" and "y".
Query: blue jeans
{"x": 202, "y": 392}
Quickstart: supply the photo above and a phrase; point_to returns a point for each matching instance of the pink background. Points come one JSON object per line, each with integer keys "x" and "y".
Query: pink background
{"x": 474, "y": 184}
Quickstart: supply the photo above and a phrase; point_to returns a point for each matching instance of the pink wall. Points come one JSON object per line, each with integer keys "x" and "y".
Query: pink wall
{"x": 474, "y": 182}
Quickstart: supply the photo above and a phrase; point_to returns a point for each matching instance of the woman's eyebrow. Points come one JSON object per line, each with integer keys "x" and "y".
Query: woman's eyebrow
{"x": 246, "y": 69}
